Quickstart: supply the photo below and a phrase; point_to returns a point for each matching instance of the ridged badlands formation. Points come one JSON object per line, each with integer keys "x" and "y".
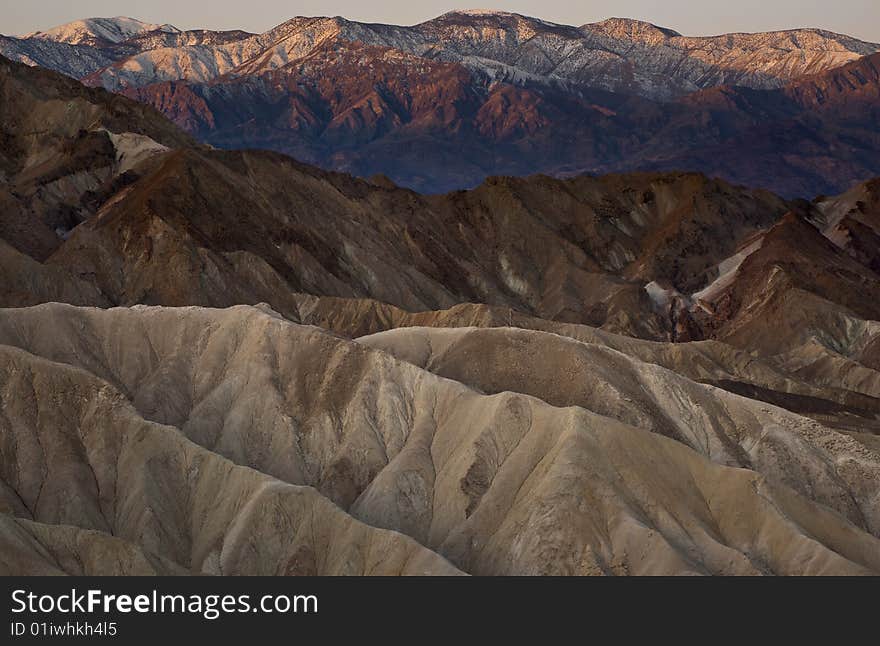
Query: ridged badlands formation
{"x": 230, "y": 362}
{"x": 116, "y": 421}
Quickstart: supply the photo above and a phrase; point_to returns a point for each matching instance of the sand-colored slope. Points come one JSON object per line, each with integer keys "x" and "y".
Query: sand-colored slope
{"x": 75, "y": 453}
{"x": 726, "y": 428}
{"x": 499, "y": 484}
{"x": 30, "y": 549}
{"x": 813, "y": 381}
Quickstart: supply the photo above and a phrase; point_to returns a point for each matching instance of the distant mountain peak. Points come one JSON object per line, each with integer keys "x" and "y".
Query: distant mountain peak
{"x": 630, "y": 28}
{"x": 481, "y": 12}
{"x": 489, "y": 14}
{"x": 113, "y": 30}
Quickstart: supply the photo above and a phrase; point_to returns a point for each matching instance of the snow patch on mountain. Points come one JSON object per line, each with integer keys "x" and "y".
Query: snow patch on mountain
{"x": 727, "y": 270}
{"x": 132, "y": 149}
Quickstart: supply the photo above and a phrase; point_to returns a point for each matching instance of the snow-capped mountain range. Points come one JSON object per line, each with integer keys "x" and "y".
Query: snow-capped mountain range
{"x": 441, "y": 105}
{"x": 620, "y": 55}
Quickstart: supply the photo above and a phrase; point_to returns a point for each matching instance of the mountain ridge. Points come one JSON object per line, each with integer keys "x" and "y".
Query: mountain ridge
{"x": 451, "y": 29}
{"x": 439, "y": 105}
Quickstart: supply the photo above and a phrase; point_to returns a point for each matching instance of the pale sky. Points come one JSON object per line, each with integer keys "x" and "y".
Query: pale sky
{"x": 859, "y": 18}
